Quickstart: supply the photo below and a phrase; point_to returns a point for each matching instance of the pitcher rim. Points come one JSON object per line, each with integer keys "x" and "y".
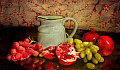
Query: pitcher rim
{"x": 61, "y": 17}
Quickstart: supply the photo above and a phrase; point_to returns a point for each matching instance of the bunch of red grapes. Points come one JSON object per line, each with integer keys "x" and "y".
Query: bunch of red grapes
{"x": 24, "y": 49}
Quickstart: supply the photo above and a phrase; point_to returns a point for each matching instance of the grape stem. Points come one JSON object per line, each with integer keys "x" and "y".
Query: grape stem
{"x": 31, "y": 40}
{"x": 67, "y": 34}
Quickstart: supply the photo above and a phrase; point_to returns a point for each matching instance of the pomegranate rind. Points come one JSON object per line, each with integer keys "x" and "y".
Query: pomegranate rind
{"x": 90, "y": 36}
{"x": 49, "y": 56}
{"x": 106, "y": 45}
{"x": 66, "y": 61}
{"x": 48, "y": 53}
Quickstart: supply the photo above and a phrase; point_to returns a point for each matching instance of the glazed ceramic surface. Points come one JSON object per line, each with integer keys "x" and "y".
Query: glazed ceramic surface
{"x": 52, "y": 31}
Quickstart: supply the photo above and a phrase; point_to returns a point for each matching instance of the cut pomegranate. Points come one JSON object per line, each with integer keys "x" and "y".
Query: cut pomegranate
{"x": 49, "y": 56}
{"x": 48, "y": 53}
{"x": 66, "y": 53}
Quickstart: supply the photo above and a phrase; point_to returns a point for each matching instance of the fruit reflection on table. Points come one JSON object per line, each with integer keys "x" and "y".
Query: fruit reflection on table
{"x": 33, "y": 63}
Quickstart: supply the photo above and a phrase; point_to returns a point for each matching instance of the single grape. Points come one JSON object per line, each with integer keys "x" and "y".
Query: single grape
{"x": 89, "y": 56}
{"x": 93, "y": 49}
{"x": 36, "y": 53}
{"x": 97, "y": 56}
{"x": 101, "y": 59}
{"x": 85, "y": 44}
{"x": 94, "y": 60}
{"x": 70, "y": 40}
{"x": 20, "y": 43}
{"x": 24, "y": 55}
{"x": 82, "y": 54}
{"x": 26, "y": 40}
{"x": 30, "y": 51}
{"x": 33, "y": 46}
{"x": 95, "y": 46}
{"x": 15, "y": 45}
{"x": 90, "y": 43}
{"x": 9, "y": 57}
{"x": 13, "y": 51}
{"x": 14, "y": 58}
{"x": 77, "y": 46}
{"x": 81, "y": 49}
{"x": 81, "y": 45}
{"x": 25, "y": 44}
{"x": 18, "y": 56}
{"x": 85, "y": 59}
{"x": 20, "y": 49}
{"x": 87, "y": 50}
{"x": 77, "y": 41}
{"x": 90, "y": 65}
{"x": 39, "y": 47}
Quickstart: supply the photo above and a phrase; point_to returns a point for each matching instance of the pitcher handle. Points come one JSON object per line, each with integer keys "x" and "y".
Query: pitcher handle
{"x": 75, "y": 25}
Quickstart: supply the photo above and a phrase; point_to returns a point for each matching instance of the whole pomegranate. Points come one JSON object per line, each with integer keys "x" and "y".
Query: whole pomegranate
{"x": 90, "y": 36}
{"x": 106, "y": 45}
{"x": 66, "y": 53}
